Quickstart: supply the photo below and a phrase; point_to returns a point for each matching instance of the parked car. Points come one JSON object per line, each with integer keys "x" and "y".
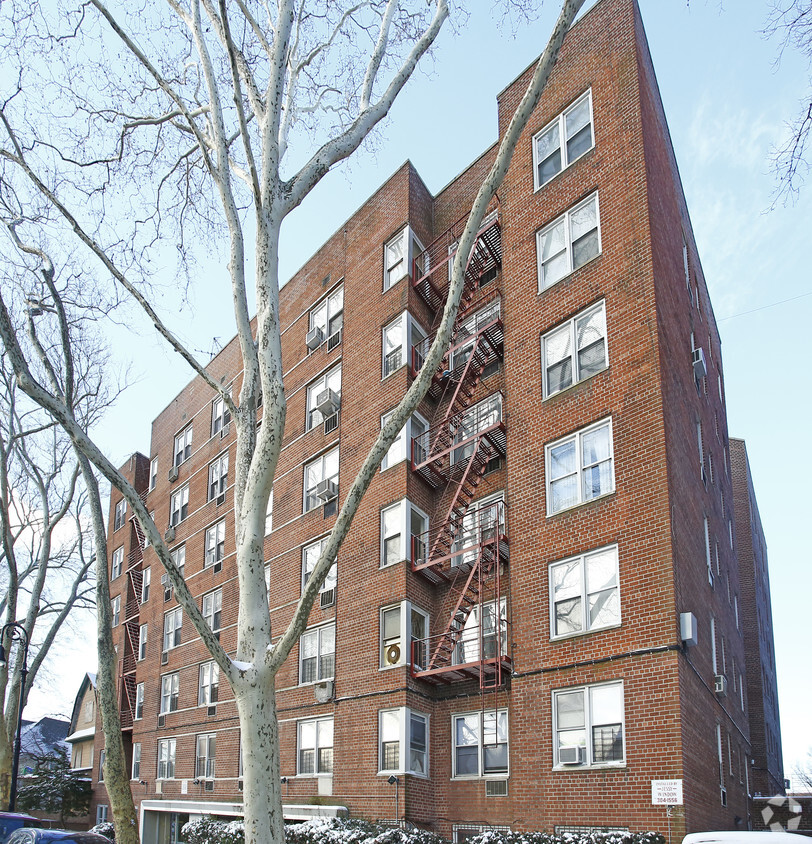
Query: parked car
{"x": 745, "y": 836}
{"x": 9, "y": 821}
{"x": 55, "y": 836}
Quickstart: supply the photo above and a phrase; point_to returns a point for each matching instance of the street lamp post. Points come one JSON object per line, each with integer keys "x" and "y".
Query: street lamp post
{"x": 15, "y": 632}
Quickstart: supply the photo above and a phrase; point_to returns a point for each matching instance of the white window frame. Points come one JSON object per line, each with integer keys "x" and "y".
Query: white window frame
{"x": 120, "y": 515}
{"x": 322, "y": 730}
{"x": 581, "y": 561}
{"x": 328, "y": 315}
{"x": 398, "y": 722}
{"x": 319, "y": 463}
{"x": 115, "y": 610}
{"x": 167, "y": 749}
{"x": 139, "y": 702}
{"x": 577, "y": 438}
{"x": 179, "y": 506}
{"x": 565, "y": 219}
{"x": 396, "y": 524}
{"x": 477, "y": 418}
{"x": 310, "y": 556}
{"x": 396, "y": 270}
{"x": 325, "y": 670}
{"x": 480, "y": 518}
{"x": 269, "y": 514}
{"x": 492, "y": 725}
{"x": 212, "y": 609}
{"x": 117, "y": 563}
{"x": 405, "y": 633}
{"x": 218, "y": 476}
{"x": 329, "y": 380}
{"x": 411, "y": 332}
{"x": 560, "y": 122}
{"x": 205, "y": 756}
{"x": 208, "y": 683}
{"x": 220, "y": 415}
{"x": 470, "y": 328}
{"x": 467, "y": 649}
{"x": 146, "y": 579}
{"x": 183, "y": 446}
{"x": 173, "y": 625}
{"x": 101, "y": 813}
{"x": 142, "y": 642}
{"x": 589, "y": 750}
{"x": 401, "y": 448}
{"x": 570, "y": 329}
{"x": 136, "y": 763}
{"x": 170, "y": 693}
{"x": 153, "y": 473}
{"x": 215, "y": 544}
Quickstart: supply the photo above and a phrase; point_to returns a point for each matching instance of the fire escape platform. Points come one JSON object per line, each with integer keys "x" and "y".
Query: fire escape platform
{"x": 482, "y": 671}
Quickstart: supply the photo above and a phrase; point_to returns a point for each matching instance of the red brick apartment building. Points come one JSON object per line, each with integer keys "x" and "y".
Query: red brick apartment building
{"x": 529, "y": 621}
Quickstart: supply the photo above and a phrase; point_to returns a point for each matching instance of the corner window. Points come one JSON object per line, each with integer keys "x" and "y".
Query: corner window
{"x": 220, "y": 416}
{"x": 205, "y": 751}
{"x": 317, "y": 650}
{"x": 215, "y": 544}
{"x": 580, "y": 467}
{"x": 120, "y": 514}
{"x": 327, "y": 321}
{"x": 142, "y": 642}
{"x": 310, "y": 556}
{"x": 179, "y": 506}
{"x": 400, "y": 626}
{"x": 208, "y": 688}
{"x": 170, "y": 689}
{"x": 183, "y": 445}
{"x": 574, "y": 351}
{"x": 568, "y": 242}
{"x": 401, "y": 448}
{"x": 584, "y": 593}
{"x": 213, "y": 608}
{"x": 136, "y": 767}
{"x": 563, "y": 141}
{"x": 166, "y": 759}
{"x": 218, "y": 477}
{"x": 398, "y": 255}
{"x": 173, "y": 621}
{"x": 480, "y": 744}
{"x": 403, "y": 742}
{"x": 321, "y": 480}
{"x": 404, "y": 533}
{"x": 400, "y": 335}
{"x": 115, "y": 608}
{"x": 324, "y": 400}
{"x": 314, "y": 740}
{"x": 588, "y": 725}
{"x": 117, "y": 564}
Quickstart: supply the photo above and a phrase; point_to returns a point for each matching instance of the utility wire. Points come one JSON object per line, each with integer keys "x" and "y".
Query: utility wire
{"x": 764, "y": 307}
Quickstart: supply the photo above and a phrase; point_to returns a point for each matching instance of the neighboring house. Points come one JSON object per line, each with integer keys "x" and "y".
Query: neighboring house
{"x": 83, "y": 735}
{"x": 538, "y": 646}
{"x": 39, "y": 739}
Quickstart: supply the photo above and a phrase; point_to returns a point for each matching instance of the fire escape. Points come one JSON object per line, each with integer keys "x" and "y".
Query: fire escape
{"x": 466, "y": 547}
{"x": 132, "y": 627}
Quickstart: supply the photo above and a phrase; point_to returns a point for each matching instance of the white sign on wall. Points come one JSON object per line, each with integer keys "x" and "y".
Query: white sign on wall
{"x": 666, "y": 792}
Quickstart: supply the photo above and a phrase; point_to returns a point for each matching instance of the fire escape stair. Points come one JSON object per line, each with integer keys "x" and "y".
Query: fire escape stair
{"x": 127, "y": 701}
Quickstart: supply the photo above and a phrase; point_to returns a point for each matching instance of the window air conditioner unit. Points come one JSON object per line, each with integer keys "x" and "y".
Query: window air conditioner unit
{"x": 323, "y": 691}
{"x": 327, "y": 598}
{"x": 164, "y": 657}
{"x": 169, "y": 535}
{"x": 173, "y": 474}
{"x": 496, "y": 788}
{"x": 209, "y": 785}
{"x": 327, "y": 402}
{"x": 570, "y": 755}
{"x": 211, "y": 710}
{"x": 326, "y": 490}
{"x": 720, "y": 685}
{"x": 698, "y": 361}
{"x": 314, "y": 338}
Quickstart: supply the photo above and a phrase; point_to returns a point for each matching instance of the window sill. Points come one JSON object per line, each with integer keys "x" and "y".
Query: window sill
{"x": 502, "y": 775}
{"x": 398, "y": 773}
{"x": 393, "y": 372}
{"x": 390, "y": 667}
{"x": 606, "y": 766}
{"x": 571, "y": 387}
{"x": 581, "y": 504}
{"x": 566, "y": 636}
{"x": 313, "y": 776}
{"x": 311, "y": 683}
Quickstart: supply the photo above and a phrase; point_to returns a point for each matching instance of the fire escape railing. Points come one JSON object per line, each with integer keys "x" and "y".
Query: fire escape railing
{"x": 132, "y": 627}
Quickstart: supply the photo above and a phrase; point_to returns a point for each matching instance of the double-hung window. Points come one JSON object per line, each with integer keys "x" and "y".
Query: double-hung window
{"x": 136, "y": 766}
{"x": 183, "y": 445}
{"x": 220, "y": 416}
{"x": 179, "y": 506}
{"x": 321, "y": 480}
{"x": 400, "y": 336}
{"x": 139, "y": 702}
{"x": 117, "y": 564}
{"x": 580, "y": 467}
{"x": 480, "y": 743}
{"x": 166, "y": 759}
{"x": 120, "y": 514}
{"x": 215, "y": 543}
{"x": 468, "y": 331}
{"x": 146, "y": 579}
{"x": 173, "y": 621}
{"x": 478, "y": 418}
{"x": 310, "y": 556}
{"x": 213, "y": 608}
{"x": 218, "y": 476}
{"x": 484, "y": 634}
{"x": 416, "y": 426}
{"x": 584, "y": 593}
{"x": 328, "y": 318}
{"x": 568, "y": 242}
{"x": 483, "y": 521}
{"x": 205, "y": 751}
{"x": 574, "y": 351}
{"x": 403, "y": 625}
{"x": 403, "y": 741}
{"x": 317, "y": 651}
{"x": 208, "y": 688}
{"x": 398, "y": 254}
{"x": 115, "y": 608}
{"x": 588, "y": 725}
{"x": 314, "y": 741}
{"x": 142, "y": 642}
{"x": 563, "y": 140}
{"x": 170, "y": 689}
{"x": 153, "y": 473}
{"x": 324, "y": 398}
{"x": 404, "y": 533}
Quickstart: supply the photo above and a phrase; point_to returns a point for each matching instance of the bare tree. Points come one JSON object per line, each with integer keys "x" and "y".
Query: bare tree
{"x": 216, "y": 117}
{"x": 791, "y": 22}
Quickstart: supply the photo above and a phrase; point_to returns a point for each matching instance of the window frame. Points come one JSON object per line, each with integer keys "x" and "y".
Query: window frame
{"x": 170, "y": 693}
{"x": 585, "y": 689}
{"x": 218, "y": 476}
{"x": 140, "y": 691}
{"x": 146, "y": 580}
{"x": 409, "y": 328}
{"x": 482, "y": 772}
{"x": 411, "y": 247}
{"x": 179, "y": 506}
{"x": 176, "y": 614}
{"x": 117, "y": 563}
{"x": 214, "y": 544}
{"x": 317, "y": 386}
{"x": 135, "y": 767}
{"x": 142, "y": 641}
{"x": 208, "y": 683}
{"x": 208, "y": 741}
{"x": 407, "y": 512}
{"x": 401, "y": 448}
{"x": 115, "y": 610}
{"x": 561, "y": 120}
{"x": 153, "y": 473}
{"x": 577, "y": 437}
{"x": 403, "y": 716}
{"x": 220, "y": 415}
{"x": 331, "y": 581}
{"x": 307, "y": 490}
{"x": 120, "y": 514}
{"x": 213, "y": 614}
{"x": 182, "y": 449}
{"x": 405, "y": 635}
{"x": 318, "y": 632}
{"x": 315, "y": 723}
{"x": 170, "y": 746}
{"x": 326, "y": 305}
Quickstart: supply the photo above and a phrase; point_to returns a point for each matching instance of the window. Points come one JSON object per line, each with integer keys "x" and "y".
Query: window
{"x": 115, "y": 607}
{"x": 220, "y": 416}
{"x": 416, "y": 426}
{"x": 101, "y": 765}
{"x": 404, "y": 533}
{"x": 136, "y": 769}
{"x": 218, "y": 477}
{"x": 328, "y": 318}
{"x": 708, "y": 552}
{"x": 580, "y": 467}
{"x": 329, "y": 381}
{"x": 467, "y": 332}
{"x": 398, "y": 255}
{"x": 139, "y": 701}
{"x": 563, "y": 141}
{"x": 568, "y": 242}
{"x": 588, "y": 725}
{"x": 208, "y": 687}
{"x": 90, "y": 709}
{"x": 179, "y": 506}
{"x": 480, "y": 743}
{"x": 170, "y": 687}
{"x": 166, "y": 759}
{"x": 101, "y": 814}
{"x": 153, "y": 473}
{"x": 120, "y": 514}
{"x": 212, "y": 608}
{"x": 479, "y": 524}
{"x": 146, "y": 577}
{"x": 117, "y": 563}
{"x": 401, "y": 334}
{"x": 215, "y": 543}
{"x": 183, "y": 445}
{"x": 204, "y": 756}
{"x": 403, "y": 741}
{"x": 317, "y": 651}
{"x": 574, "y": 351}
{"x": 401, "y": 625}
{"x": 485, "y": 640}
{"x": 310, "y": 556}
{"x": 323, "y": 468}
{"x": 315, "y": 747}
{"x": 269, "y": 514}
{"x": 584, "y": 593}
{"x": 173, "y": 621}
{"x": 142, "y": 642}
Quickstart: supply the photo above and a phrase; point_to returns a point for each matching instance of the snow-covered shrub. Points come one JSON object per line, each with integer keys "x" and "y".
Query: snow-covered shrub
{"x": 494, "y": 837}
{"x": 107, "y": 829}
{"x": 210, "y": 831}
{"x": 337, "y": 831}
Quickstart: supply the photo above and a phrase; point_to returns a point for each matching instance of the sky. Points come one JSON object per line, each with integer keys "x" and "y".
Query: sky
{"x": 727, "y": 100}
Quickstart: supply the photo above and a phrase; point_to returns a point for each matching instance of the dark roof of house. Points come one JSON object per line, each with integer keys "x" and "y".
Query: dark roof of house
{"x": 42, "y": 736}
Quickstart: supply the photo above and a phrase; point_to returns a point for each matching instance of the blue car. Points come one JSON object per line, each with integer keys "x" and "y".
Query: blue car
{"x": 53, "y": 836}
{"x": 9, "y": 821}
